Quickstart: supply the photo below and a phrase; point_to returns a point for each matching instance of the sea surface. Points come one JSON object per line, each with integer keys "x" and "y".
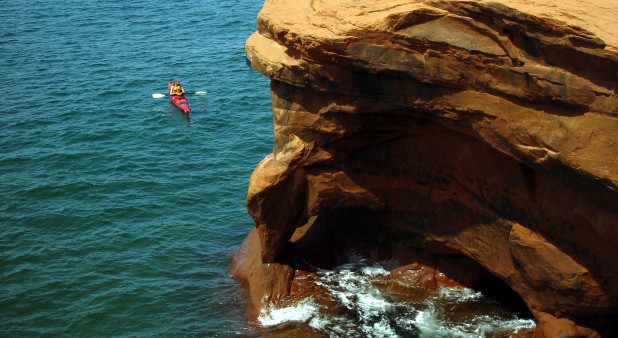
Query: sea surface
{"x": 118, "y": 213}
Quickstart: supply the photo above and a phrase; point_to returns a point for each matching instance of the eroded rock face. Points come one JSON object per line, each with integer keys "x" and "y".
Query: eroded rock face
{"x": 475, "y": 130}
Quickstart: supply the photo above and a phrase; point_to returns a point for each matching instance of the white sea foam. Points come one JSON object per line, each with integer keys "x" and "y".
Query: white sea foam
{"x": 368, "y": 310}
{"x": 318, "y": 322}
{"x": 374, "y": 271}
{"x": 431, "y": 324}
{"x": 459, "y": 294}
{"x": 301, "y": 312}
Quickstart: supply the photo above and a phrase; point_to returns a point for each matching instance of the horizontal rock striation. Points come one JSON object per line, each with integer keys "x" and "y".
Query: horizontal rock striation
{"x": 470, "y": 130}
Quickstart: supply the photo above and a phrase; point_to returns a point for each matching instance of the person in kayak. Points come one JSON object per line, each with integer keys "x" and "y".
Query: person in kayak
{"x": 177, "y": 89}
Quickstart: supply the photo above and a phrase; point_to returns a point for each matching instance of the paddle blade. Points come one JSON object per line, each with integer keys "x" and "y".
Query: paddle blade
{"x": 201, "y": 92}
{"x": 158, "y": 95}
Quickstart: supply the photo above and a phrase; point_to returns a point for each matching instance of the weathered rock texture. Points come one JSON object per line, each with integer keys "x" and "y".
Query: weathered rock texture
{"x": 480, "y": 131}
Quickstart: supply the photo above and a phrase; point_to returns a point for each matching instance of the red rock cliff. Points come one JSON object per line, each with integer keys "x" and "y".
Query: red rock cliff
{"x": 474, "y": 130}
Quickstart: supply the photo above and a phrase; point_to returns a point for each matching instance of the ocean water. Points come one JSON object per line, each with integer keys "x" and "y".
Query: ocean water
{"x": 119, "y": 214}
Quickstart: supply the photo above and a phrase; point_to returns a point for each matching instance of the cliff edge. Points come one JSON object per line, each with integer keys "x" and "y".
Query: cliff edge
{"x": 476, "y": 131}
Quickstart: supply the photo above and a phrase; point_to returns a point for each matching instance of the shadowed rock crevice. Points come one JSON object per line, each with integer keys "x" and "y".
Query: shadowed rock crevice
{"x": 474, "y": 138}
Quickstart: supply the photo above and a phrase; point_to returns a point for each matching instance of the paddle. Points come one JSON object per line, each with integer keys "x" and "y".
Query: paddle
{"x": 159, "y": 95}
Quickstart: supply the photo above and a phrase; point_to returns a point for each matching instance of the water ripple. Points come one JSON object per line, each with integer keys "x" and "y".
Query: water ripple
{"x": 118, "y": 213}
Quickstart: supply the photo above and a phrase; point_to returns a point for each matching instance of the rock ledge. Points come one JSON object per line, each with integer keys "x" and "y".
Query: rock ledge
{"x": 481, "y": 131}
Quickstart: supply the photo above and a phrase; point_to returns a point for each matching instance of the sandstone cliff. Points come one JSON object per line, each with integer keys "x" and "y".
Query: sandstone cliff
{"x": 472, "y": 130}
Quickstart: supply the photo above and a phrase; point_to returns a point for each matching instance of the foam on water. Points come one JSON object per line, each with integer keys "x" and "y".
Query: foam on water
{"x": 364, "y": 307}
{"x": 301, "y": 312}
{"x": 458, "y": 294}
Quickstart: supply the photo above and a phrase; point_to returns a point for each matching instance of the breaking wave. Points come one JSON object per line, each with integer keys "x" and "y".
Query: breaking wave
{"x": 364, "y": 300}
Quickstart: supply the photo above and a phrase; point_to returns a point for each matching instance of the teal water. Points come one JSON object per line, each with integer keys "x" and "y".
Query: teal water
{"x": 118, "y": 215}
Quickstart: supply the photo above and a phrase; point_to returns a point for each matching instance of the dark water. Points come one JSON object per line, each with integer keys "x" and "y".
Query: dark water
{"x": 117, "y": 214}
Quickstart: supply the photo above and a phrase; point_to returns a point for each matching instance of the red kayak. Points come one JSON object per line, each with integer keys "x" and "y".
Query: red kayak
{"x": 179, "y": 101}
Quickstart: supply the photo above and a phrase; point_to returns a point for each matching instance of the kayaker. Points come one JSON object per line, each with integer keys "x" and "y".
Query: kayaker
{"x": 177, "y": 89}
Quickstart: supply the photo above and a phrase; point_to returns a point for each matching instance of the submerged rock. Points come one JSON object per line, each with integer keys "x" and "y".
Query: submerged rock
{"x": 469, "y": 131}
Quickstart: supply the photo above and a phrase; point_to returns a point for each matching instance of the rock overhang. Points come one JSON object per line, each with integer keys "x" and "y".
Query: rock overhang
{"x": 494, "y": 118}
